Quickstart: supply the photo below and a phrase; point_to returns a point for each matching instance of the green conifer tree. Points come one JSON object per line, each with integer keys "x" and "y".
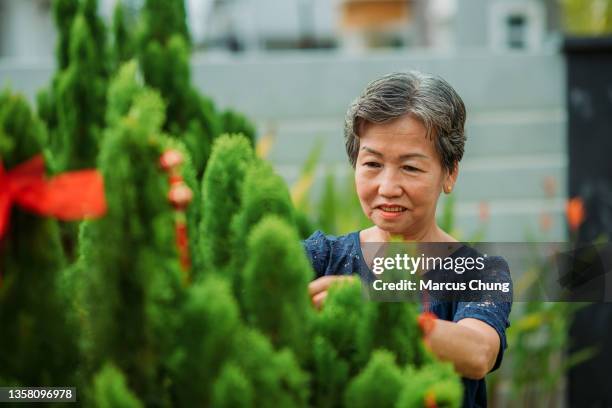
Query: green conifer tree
{"x": 275, "y": 376}
{"x": 81, "y": 101}
{"x": 276, "y": 277}
{"x": 97, "y": 29}
{"x": 263, "y": 193}
{"x": 111, "y": 390}
{"x": 74, "y": 105}
{"x": 124, "y": 47}
{"x": 38, "y": 342}
{"x": 331, "y": 374}
{"x": 392, "y": 326}
{"x": 436, "y": 384}
{"x": 334, "y": 347}
{"x": 209, "y": 323}
{"x": 232, "y": 389}
{"x": 221, "y": 198}
{"x": 64, "y": 12}
{"x": 164, "y": 58}
{"x": 131, "y": 279}
{"x": 378, "y": 385}
{"x": 235, "y": 122}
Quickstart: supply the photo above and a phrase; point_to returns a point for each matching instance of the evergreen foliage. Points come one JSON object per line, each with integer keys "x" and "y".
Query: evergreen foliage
{"x": 276, "y": 296}
{"x": 276, "y": 377}
{"x": 123, "y": 323}
{"x": 235, "y": 122}
{"x": 434, "y": 384}
{"x": 209, "y": 324}
{"x": 338, "y": 322}
{"x": 391, "y": 326}
{"x": 111, "y": 390}
{"x": 81, "y": 101}
{"x": 64, "y": 12}
{"x": 164, "y": 59}
{"x": 221, "y": 198}
{"x": 131, "y": 284}
{"x": 334, "y": 345}
{"x": 263, "y": 193}
{"x": 38, "y": 342}
{"x": 232, "y": 389}
{"x": 73, "y": 107}
{"x": 378, "y": 385}
{"x": 124, "y": 47}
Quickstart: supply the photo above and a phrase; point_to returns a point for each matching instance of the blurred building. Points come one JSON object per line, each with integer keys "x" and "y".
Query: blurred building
{"x": 507, "y": 25}
{"x": 26, "y": 29}
{"x": 353, "y": 25}
{"x": 496, "y": 54}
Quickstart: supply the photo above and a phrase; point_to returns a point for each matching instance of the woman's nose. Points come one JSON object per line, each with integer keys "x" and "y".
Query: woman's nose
{"x": 389, "y": 185}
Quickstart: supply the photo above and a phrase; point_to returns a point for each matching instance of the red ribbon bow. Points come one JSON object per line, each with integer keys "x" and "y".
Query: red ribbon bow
{"x": 68, "y": 196}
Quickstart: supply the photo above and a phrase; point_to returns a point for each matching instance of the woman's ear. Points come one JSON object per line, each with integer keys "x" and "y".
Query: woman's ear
{"x": 450, "y": 178}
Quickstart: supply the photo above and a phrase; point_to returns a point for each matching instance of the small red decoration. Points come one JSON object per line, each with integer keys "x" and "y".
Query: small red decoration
{"x": 68, "y": 196}
{"x": 427, "y": 322}
{"x": 179, "y": 195}
{"x": 170, "y": 159}
{"x": 575, "y": 213}
{"x": 430, "y": 400}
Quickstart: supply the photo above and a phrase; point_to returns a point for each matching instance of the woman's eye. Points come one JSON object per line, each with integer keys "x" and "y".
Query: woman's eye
{"x": 372, "y": 164}
{"x": 410, "y": 168}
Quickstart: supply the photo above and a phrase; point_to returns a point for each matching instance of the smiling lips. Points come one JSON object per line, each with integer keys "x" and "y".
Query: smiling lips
{"x": 390, "y": 211}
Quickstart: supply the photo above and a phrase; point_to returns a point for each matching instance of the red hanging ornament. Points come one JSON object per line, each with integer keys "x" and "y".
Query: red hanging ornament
{"x": 179, "y": 195}
{"x": 430, "y": 400}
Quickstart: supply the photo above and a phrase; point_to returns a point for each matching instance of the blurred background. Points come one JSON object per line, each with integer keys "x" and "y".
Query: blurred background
{"x": 535, "y": 77}
{"x": 294, "y": 66}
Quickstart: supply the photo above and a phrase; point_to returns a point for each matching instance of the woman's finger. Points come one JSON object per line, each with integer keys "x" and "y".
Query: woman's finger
{"x": 322, "y": 284}
{"x": 318, "y": 299}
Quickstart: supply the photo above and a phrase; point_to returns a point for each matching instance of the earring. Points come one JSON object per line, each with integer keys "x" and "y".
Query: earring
{"x": 448, "y": 189}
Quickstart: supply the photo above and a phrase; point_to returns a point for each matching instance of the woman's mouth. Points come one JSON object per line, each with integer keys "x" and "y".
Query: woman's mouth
{"x": 391, "y": 211}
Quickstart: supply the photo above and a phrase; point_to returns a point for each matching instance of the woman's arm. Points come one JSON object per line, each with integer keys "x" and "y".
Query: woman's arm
{"x": 470, "y": 344}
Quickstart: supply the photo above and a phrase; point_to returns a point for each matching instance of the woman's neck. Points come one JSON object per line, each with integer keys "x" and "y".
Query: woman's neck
{"x": 431, "y": 234}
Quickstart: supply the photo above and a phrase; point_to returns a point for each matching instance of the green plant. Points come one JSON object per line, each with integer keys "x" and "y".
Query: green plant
{"x": 221, "y": 198}
{"x": 263, "y": 193}
{"x": 235, "y": 122}
{"x": 38, "y": 340}
{"x": 124, "y": 46}
{"x": 379, "y": 384}
{"x": 163, "y": 51}
{"x": 275, "y": 298}
{"x": 129, "y": 274}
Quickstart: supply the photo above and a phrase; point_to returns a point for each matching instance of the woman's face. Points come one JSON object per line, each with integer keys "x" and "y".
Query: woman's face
{"x": 399, "y": 176}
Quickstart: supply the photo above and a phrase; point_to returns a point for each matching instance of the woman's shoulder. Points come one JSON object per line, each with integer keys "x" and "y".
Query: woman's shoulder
{"x": 331, "y": 254}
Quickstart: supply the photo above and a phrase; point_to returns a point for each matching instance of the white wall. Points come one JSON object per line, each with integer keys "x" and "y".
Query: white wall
{"x": 26, "y": 29}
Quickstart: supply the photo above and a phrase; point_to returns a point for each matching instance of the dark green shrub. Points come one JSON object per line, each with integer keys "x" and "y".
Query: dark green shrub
{"x": 275, "y": 294}
{"x": 221, "y": 198}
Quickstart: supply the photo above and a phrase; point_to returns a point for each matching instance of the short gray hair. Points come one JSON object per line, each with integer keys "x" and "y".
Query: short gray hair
{"x": 426, "y": 97}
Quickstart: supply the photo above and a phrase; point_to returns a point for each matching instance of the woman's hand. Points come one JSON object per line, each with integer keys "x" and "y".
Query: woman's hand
{"x": 317, "y": 289}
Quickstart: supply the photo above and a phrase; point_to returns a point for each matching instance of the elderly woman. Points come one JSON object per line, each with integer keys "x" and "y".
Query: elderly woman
{"x": 405, "y": 137}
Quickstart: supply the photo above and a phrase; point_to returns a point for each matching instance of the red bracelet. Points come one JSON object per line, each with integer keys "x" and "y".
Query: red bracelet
{"x": 427, "y": 322}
